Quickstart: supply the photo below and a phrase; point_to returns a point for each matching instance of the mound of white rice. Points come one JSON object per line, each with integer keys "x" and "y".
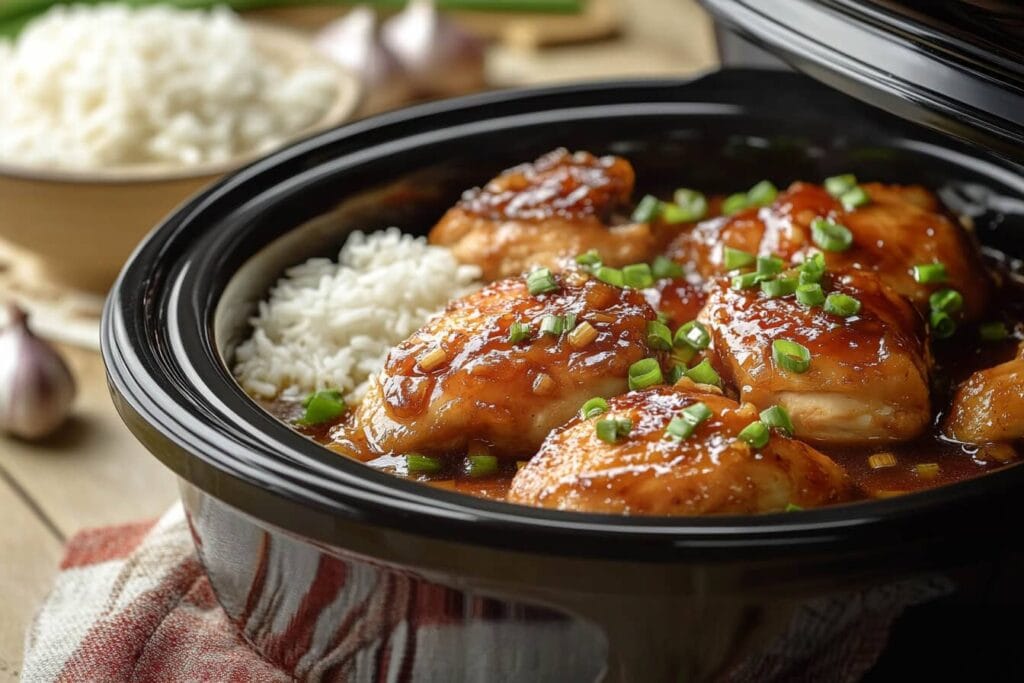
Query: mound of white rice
{"x": 91, "y": 86}
{"x": 330, "y": 325}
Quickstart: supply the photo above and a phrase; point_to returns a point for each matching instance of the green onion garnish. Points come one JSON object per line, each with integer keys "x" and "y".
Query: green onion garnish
{"x": 703, "y": 373}
{"x": 612, "y": 429}
{"x": 611, "y": 276}
{"x": 777, "y": 418}
{"x": 736, "y": 258}
{"x": 541, "y": 281}
{"x": 812, "y": 270}
{"x": 481, "y": 465}
{"x": 838, "y": 185}
{"x": 323, "y": 406}
{"x": 756, "y": 434}
{"x": 682, "y": 355}
{"x": 930, "y": 273}
{"x": 791, "y": 356}
{"x": 637, "y": 276}
{"x": 589, "y": 258}
{"x": 942, "y": 325}
{"x": 663, "y": 267}
{"x": 659, "y": 337}
{"x": 594, "y": 407}
{"x": 422, "y": 464}
{"x": 645, "y": 373}
{"x": 690, "y": 204}
{"x": 946, "y": 300}
{"x": 683, "y": 426}
{"x": 841, "y": 305}
{"x": 993, "y": 332}
{"x": 762, "y": 194}
{"x": 735, "y": 203}
{"x": 677, "y": 372}
{"x": 831, "y": 236}
{"x": 747, "y": 280}
{"x": 783, "y": 286}
{"x": 793, "y": 507}
{"x": 810, "y": 295}
{"x": 568, "y": 322}
{"x": 647, "y": 209}
{"x": 769, "y": 265}
{"x": 518, "y": 332}
{"x": 854, "y": 198}
{"x": 552, "y": 324}
{"x": 693, "y": 334}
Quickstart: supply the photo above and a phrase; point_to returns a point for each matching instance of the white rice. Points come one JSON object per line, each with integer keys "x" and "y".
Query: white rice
{"x": 92, "y": 86}
{"x": 330, "y": 325}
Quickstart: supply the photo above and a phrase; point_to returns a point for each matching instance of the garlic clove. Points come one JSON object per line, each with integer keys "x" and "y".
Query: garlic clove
{"x": 440, "y": 57}
{"x": 36, "y": 386}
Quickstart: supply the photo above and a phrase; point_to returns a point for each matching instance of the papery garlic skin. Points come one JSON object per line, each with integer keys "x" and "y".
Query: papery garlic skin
{"x": 37, "y": 388}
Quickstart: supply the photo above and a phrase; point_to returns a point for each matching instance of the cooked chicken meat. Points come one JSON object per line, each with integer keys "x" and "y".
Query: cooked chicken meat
{"x": 651, "y": 473}
{"x": 545, "y": 212}
{"x": 868, "y": 374}
{"x": 989, "y": 406}
{"x": 467, "y": 377}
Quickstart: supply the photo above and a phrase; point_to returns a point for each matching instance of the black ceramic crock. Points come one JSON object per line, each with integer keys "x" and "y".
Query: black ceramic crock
{"x": 336, "y": 571}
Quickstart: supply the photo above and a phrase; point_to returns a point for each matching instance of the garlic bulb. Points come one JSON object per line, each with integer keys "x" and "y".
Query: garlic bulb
{"x": 36, "y": 386}
{"x": 440, "y": 57}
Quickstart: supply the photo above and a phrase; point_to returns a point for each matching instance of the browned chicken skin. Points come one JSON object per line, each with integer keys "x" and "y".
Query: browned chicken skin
{"x": 542, "y": 213}
{"x": 645, "y": 473}
{"x": 868, "y": 377}
{"x": 901, "y": 227}
{"x": 488, "y": 389}
{"x": 989, "y": 406}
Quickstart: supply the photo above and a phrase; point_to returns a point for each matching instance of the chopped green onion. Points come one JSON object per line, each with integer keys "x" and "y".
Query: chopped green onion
{"x": 481, "y": 465}
{"x": 756, "y": 434}
{"x": 703, "y": 373}
{"x": 659, "y": 337}
{"x": 589, "y": 258}
{"x": 839, "y": 185}
{"x": 683, "y": 426}
{"x": 762, "y": 194}
{"x": 736, "y": 258}
{"x": 776, "y": 417}
{"x": 810, "y": 295}
{"x": 568, "y": 322}
{"x": 422, "y": 464}
{"x": 854, "y": 198}
{"x": 541, "y": 281}
{"x": 735, "y": 203}
{"x": 693, "y": 334}
{"x": 637, "y": 276}
{"x": 662, "y": 317}
{"x": 769, "y": 265}
{"x": 946, "y": 300}
{"x": 747, "y": 280}
{"x": 993, "y": 332}
{"x": 942, "y": 325}
{"x": 930, "y": 273}
{"x": 645, "y": 373}
{"x": 611, "y": 276}
{"x": 793, "y": 507}
{"x": 553, "y": 325}
{"x": 791, "y": 356}
{"x": 611, "y": 429}
{"x": 323, "y": 406}
{"x": 594, "y": 407}
{"x": 783, "y": 286}
{"x": 647, "y": 209}
{"x": 841, "y": 305}
{"x": 677, "y": 372}
{"x": 518, "y": 332}
{"x": 682, "y": 355}
{"x": 664, "y": 267}
{"x": 831, "y": 236}
{"x": 812, "y": 270}
{"x": 691, "y": 205}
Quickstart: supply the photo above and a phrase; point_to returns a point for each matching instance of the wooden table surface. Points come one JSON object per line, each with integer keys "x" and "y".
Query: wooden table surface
{"x": 94, "y": 473}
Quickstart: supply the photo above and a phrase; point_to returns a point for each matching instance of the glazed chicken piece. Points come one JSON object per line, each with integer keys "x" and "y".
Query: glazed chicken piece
{"x": 902, "y": 226}
{"x": 868, "y": 375}
{"x": 460, "y": 379}
{"x": 989, "y": 406}
{"x": 678, "y": 300}
{"x": 545, "y": 212}
{"x": 647, "y": 473}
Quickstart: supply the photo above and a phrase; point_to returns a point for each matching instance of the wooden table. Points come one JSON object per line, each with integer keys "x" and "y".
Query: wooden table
{"x": 94, "y": 473}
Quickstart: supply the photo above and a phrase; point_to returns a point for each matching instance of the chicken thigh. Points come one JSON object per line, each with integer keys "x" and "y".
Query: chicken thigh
{"x": 868, "y": 374}
{"x": 649, "y": 472}
{"x": 989, "y": 406}
{"x": 503, "y": 367}
{"x": 545, "y": 212}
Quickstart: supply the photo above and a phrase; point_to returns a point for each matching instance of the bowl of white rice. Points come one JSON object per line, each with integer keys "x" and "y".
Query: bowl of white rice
{"x": 111, "y": 116}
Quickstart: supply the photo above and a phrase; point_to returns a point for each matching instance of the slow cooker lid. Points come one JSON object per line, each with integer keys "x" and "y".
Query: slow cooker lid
{"x": 953, "y": 65}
